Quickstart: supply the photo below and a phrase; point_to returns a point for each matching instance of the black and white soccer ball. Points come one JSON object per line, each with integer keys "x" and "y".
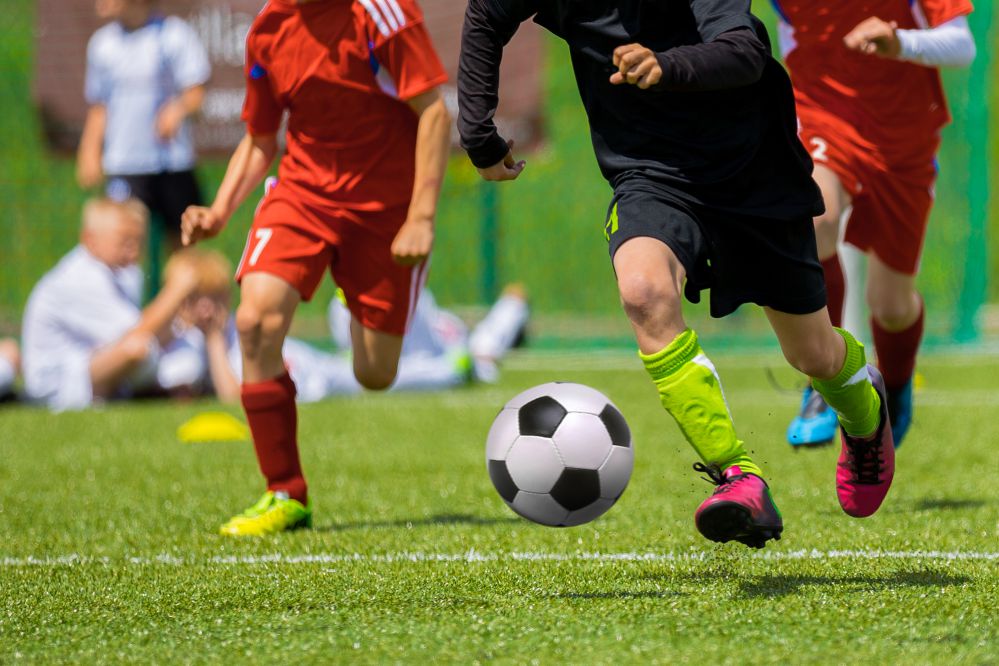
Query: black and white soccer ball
{"x": 560, "y": 454}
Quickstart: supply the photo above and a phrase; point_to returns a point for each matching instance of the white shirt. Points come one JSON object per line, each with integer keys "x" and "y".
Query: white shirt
{"x": 132, "y": 73}
{"x": 77, "y": 307}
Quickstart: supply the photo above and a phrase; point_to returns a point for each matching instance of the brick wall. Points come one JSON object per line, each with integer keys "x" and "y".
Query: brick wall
{"x": 64, "y": 26}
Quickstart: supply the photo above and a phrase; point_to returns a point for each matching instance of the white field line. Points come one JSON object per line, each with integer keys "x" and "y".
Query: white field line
{"x": 472, "y": 556}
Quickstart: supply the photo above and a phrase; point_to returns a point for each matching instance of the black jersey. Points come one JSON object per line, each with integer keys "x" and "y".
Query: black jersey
{"x": 719, "y": 130}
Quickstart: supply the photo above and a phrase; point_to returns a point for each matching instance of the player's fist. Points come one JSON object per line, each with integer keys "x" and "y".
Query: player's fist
{"x": 874, "y": 37}
{"x": 199, "y": 222}
{"x": 636, "y": 65}
{"x": 507, "y": 169}
{"x": 413, "y": 242}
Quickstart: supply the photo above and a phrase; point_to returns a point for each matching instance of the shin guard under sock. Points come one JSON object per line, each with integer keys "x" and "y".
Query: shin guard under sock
{"x": 691, "y": 392}
{"x": 273, "y": 419}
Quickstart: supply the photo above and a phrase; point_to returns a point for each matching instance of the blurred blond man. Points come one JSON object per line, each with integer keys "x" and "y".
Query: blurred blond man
{"x": 85, "y": 336}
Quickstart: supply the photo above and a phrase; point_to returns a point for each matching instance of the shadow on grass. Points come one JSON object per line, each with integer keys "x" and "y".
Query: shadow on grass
{"x": 943, "y": 503}
{"x": 779, "y": 586}
{"x": 438, "y": 519}
{"x": 618, "y": 594}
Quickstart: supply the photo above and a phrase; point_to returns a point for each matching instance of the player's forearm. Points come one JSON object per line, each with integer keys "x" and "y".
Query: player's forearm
{"x": 223, "y": 378}
{"x": 158, "y": 316}
{"x": 433, "y": 141}
{"x": 482, "y": 39}
{"x": 948, "y": 45}
{"x": 190, "y": 100}
{"x": 732, "y": 60}
{"x": 92, "y": 139}
{"x": 247, "y": 168}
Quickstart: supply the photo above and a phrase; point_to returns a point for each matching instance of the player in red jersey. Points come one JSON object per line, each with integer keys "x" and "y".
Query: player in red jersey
{"x": 870, "y": 109}
{"x": 367, "y": 143}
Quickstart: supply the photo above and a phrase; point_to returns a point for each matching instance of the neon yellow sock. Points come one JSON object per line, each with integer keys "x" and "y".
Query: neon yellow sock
{"x": 850, "y": 392}
{"x": 690, "y": 390}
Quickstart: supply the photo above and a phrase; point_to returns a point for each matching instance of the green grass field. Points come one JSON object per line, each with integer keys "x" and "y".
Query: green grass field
{"x": 107, "y": 551}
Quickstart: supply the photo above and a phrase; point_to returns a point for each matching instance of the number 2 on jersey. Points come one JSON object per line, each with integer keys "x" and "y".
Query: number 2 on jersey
{"x": 820, "y": 149}
{"x": 262, "y": 236}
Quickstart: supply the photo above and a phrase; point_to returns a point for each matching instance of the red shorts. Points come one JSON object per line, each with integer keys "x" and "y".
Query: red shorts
{"x": 891, "y": 204}
{"x": 297, "y": 241}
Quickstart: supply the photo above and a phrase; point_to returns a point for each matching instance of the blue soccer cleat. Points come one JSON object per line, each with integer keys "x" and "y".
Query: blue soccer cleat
{"x": 900, "y": 411}
{"x": 815, "y": 424}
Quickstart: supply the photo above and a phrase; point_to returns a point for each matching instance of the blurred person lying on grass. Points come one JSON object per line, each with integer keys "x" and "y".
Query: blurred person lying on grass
{"x": 86, "y": 338}
{"x": 438, "y": 351}
{"x": 10, "y": 366}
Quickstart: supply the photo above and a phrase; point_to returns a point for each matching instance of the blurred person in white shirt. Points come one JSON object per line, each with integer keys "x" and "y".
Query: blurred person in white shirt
{"x": 145, "y": 78}
{"x": 85, "y": 336}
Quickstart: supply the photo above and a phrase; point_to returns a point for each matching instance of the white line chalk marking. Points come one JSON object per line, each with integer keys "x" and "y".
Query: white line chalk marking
{"x": 73, "y": 559}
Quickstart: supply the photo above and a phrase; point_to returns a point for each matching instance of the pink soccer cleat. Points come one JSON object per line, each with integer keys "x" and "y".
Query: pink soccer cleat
{"x": 866, "y": 467}
{"x": 741, "y": 509}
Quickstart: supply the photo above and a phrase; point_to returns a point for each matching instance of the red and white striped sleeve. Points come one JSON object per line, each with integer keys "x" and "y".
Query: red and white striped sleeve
{"x": 402, "y": 45}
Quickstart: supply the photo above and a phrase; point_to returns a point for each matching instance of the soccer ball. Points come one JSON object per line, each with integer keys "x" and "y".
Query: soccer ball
{"x": 560, "y": 454}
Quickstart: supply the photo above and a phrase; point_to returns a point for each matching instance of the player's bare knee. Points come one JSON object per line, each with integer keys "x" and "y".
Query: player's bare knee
{"x": 813, "y": 360}
{"x": 373, "y": 378}
{"x": 646, "y": 297}
{"x": 248, "y": 324}
{"x": 893, "y": 314}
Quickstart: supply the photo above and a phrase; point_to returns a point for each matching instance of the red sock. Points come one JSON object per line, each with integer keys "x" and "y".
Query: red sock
{"x": 897, "y": 351}
{"x": 835, "y": 288}
{"x": 273, "y": 418}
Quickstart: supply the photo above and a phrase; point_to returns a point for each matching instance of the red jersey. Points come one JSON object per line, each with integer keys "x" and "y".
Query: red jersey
{"x": 897, "y": 106}
{"x": 343, "y": 70}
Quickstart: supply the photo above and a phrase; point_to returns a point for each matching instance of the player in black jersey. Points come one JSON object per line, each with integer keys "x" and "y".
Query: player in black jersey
{"x": 693, "y": 125}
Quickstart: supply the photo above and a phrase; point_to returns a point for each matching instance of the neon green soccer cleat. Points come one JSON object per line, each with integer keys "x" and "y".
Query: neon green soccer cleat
{"x": 273, "y": 513}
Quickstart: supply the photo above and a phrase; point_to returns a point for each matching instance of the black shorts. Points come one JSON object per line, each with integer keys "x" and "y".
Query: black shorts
{"x": 741, "y": 259}
{"x": 165, "y": 194}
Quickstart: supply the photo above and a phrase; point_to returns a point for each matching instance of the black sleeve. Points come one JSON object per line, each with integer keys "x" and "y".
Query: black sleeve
{"x": 733, "y": 59}
{"x": 715, "y": 17}
{"x": 489, "y": 26}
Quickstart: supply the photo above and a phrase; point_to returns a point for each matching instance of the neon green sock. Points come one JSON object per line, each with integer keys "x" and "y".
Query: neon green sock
{"x": 691, "y": 392}
{"x": 850, "y": 392}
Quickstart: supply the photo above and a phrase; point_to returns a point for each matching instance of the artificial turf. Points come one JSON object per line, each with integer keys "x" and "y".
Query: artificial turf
{"x": 108, "y": 551}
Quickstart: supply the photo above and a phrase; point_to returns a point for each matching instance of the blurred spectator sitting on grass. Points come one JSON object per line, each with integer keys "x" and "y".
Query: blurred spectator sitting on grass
{"x": 85, "y": 336}
{"x": 145, "y": 78}
{"x": 438, "y": 351}
{"x": 10, "y": 365}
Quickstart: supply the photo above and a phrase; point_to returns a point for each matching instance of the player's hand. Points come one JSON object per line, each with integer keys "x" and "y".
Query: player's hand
{"x": 199, "y": 222}
{"x": 209, "y": 315}
{"x": 508, "y": 169}
{"x": 874, "y": 37}
{"x": 168, "y": 120}
{"x": 413, "y": 242}
{"x": 636, "y": 65}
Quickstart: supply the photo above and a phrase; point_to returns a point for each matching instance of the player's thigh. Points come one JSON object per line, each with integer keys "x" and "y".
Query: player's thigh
{"x": 376, "y": 356}
{"x": 891, "y": 295}
{"x": 652, "y": 244}
{"x": 890, "y": 218}
{"x": 809, "y": 341}
{"x": 380, "y": 294}
{"x": 836, "y": 199}
{"x": 287, "y": 242}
